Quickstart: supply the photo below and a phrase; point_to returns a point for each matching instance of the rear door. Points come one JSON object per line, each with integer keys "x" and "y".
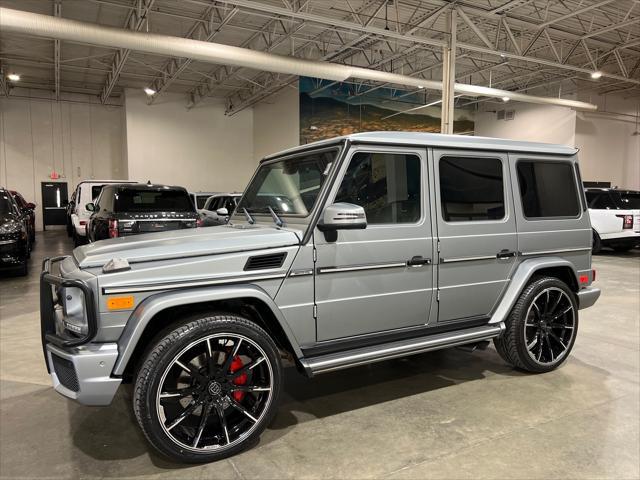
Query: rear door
{"x": 363, "y": 284}
{"x": 476, "y": 232}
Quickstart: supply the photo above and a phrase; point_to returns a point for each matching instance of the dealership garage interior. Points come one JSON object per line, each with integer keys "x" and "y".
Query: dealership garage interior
{"x": 107, "y": 106}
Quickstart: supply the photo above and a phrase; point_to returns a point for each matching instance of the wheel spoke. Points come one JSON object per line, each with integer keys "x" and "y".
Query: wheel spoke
{"x": 240, "y": 408}
{"x": 541, "y": 343}
{"x": 231, "y": 356}
{"x": 187, "y": 411}
{"x": 181, "y": 393}
{"x": 557, "y": 339}
{"x": 191, "y": 371}
{"x": 556, "y": 303}
{"x": 223, "y": 422}
{"x": 550, "y": 348}
{"x": 533, "y": 343}
{"x": 206, "y": 409}
{"x": 249, "y": 388}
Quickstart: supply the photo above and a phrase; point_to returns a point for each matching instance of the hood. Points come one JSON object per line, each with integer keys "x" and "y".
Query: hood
{"x": 185, "y": 243}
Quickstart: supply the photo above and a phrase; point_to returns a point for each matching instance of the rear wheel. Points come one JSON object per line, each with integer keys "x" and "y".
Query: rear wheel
{"x": 596, "y": 245}
{"x": 541, "y": 328}
{"x": 208, "y": 389}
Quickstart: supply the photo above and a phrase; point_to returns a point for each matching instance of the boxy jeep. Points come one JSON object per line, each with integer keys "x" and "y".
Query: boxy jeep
{"x": 341, "y": 253}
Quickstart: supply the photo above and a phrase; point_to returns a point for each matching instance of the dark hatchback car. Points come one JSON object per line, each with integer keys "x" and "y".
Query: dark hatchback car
{"x": 132, "y": 209}
{"x": 15, "y": 245}
{"x": 28, "y": 209}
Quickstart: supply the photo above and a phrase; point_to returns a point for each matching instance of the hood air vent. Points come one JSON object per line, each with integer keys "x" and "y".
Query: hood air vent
{"x": 261, "y": 262}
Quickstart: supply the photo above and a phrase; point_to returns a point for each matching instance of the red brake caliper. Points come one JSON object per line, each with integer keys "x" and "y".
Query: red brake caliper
{"x": 236, "y": 364}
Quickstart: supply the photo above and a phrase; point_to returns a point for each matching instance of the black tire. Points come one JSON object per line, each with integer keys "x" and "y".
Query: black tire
{"x": 23, "y": 269}
{"x": 532, "y": 322}
{"x": 622, "y": 248}
{"x": 212, "y": 391}
{"x": 596, "y": 245}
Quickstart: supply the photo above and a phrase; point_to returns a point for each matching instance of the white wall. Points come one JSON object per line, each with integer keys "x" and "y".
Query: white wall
{"x": 200, "y": 149}
{"x": 77, "y": 140}
{"x": 276, "y": 123}
{"x": 608, "y": 149}
{"x": 536, "y": 123}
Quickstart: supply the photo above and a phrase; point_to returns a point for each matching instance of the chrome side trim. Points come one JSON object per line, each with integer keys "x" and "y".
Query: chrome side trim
{"x": 152, "y": 287}
{"x": 367, "y": 266}
{"x": 548, "y": 252}
{"x": 402, "y": 348}
{"x": 301, "y": 272}
{"x": 467, "y": 259}
{"x": 7, "y": 242}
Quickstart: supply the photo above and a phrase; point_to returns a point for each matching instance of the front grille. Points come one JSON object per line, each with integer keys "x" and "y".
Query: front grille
{"x": 66, "y": 372}
{"x": 261, "y": 262}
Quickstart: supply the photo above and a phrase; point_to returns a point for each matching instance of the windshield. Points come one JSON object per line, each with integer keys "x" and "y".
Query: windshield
{"x": 5, "y": 204}
{"x": 289, "y": 187}
{"x": 133, "y": 200}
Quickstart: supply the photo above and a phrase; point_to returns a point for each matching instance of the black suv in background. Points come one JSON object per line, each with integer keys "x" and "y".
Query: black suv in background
{"x": 29, "y": 210}
{"x": 131, "y": 209}
{"x": 15, "y": 245}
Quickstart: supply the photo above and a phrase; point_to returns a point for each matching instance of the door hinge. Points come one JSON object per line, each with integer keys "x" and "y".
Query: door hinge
{"x": 315, "y": 311}
{"x": 315, "y": 255}
{"x": 438, "y": 246}
{"x": 438, "y": 295}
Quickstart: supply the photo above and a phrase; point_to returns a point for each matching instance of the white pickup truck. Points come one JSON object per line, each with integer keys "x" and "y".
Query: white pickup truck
{"x": 615, "y": 218}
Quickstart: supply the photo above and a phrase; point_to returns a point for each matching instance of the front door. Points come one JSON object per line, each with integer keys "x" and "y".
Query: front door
{"x": 476, "y": 232}
{"x": 363, "y": 283}
{"x": 54, "y": 203}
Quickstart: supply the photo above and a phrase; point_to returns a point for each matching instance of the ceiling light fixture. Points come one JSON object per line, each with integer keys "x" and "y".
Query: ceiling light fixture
{"x": 149, "y": 91}
{"x": 420, "y": 86}
{"x": 505, "y": 99}
{"x": 596, "y": 75}
{"x": 14, "y": 77}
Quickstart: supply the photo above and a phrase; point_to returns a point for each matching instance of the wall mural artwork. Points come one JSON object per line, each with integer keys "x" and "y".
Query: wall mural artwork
{"x": 330, "y": 109}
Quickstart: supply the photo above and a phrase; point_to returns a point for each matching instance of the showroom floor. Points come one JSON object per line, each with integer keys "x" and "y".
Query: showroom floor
{"x": 446, "y": 414}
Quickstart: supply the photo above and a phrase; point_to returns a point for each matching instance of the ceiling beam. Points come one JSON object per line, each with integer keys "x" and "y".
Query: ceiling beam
{"x": 57, "y": 11}
{"x": 580, "y": 11}
{"x": 135, "y": 21}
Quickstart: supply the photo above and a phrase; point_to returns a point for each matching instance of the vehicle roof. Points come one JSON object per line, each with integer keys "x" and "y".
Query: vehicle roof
{"x": 105, "y": 181}
{"x": 611, "y": 189}
{"x": 147, "y": 186}
{"x": 204, "y": 193}
{"x": 440, "y": 140}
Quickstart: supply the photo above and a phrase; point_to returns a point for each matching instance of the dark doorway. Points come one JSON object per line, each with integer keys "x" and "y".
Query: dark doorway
{"x": 54, "y": 203}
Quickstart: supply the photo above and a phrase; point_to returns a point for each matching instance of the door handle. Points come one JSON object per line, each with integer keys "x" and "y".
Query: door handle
{"x": 504, "y": 254}
{"x": 418, "y": 261}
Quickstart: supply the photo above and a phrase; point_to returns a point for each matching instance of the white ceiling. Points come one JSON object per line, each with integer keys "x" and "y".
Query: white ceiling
{"x": 548, "y": 47}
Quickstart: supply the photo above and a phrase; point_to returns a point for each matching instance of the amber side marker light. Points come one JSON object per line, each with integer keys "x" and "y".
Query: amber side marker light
{"x": 120, "y": 303}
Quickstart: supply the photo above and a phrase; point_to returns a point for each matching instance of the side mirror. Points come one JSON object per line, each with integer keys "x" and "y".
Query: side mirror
{"x": 90, "y": 207}
{"x": 31, "y": 206}
{"x": 341, "y": 216}
{"x": 223, "y": 212}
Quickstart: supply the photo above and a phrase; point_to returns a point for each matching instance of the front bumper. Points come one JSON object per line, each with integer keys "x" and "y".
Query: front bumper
{"x": 587, "y": 296}
{"x": 79, "y": 370}
{"x": 13, "y": 252}
{"x": 84, "y": 373}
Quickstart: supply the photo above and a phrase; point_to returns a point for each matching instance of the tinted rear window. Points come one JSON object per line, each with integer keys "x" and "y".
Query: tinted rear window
{"x": 471, "y": 189}
{"x": 132, "y": 200}
{"x": 548, "y": 189}
{"x": 630, "y": 200}
{"x": 200, "y": 201}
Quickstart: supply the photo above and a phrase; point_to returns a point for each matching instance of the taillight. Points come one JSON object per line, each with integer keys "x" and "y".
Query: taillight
{"x": 199, "y": 222}
{"x": 83, "y": 222}
{"x": 593, "y": 275}
{"x": 113, "y": 228}
{"x": 627, "y": 221}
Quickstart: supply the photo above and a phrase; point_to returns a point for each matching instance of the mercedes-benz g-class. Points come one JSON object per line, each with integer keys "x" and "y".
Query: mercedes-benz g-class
{"x": 340, "y": 253}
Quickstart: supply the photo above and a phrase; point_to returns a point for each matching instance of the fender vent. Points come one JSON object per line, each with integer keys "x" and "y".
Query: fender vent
{"x": 261, "y": 262}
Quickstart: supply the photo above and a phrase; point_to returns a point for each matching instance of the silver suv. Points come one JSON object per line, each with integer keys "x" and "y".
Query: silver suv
{"x": 340, "y": 253}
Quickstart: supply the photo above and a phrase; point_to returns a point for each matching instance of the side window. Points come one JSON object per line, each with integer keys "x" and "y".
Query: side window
{"x": 548, "y": 189}
{"x": 471, "y": 189}
{"x": 386, "y": 185}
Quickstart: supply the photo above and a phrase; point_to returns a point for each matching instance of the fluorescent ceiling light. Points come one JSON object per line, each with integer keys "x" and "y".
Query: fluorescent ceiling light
{"x": 14, "y": 77}
{"x": 596, "y": 75}
{"x": 505, "y": 99}
{"x": 149, "y": 91}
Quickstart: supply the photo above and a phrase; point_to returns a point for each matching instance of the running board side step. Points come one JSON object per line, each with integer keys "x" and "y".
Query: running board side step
{"x": 402, "y": 348}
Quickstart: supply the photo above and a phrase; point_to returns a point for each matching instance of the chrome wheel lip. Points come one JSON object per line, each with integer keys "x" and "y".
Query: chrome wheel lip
{"x": 242, "y": 436}
{"x": 572, "y": 326}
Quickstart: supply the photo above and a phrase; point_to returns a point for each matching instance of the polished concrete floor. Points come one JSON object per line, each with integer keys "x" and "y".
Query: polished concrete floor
{"x": 446, "y": 414}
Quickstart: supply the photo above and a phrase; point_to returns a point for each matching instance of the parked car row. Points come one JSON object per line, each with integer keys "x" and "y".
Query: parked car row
{"x": 17, "y": 231}
{"x": 101, "y": 209}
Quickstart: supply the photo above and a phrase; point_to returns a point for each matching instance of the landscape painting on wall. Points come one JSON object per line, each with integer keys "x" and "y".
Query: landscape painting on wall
{"x": 330, "y": 109}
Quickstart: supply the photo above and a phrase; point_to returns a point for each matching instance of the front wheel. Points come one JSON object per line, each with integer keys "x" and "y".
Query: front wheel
{"x": 541, "y": 328}
{"x": 208, "y": 389}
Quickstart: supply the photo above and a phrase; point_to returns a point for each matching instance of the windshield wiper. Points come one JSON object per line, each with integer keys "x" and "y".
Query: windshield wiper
{"x": 276, "y": 219}
{"x": 250, "y": 219}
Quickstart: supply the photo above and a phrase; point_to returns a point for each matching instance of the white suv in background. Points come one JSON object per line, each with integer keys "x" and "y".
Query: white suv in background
{"x": 615, "y": 218}
{"x": 85, "y": 192}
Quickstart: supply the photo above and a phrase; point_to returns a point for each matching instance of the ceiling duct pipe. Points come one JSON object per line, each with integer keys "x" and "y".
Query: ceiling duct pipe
{"x": 17, "y": 21}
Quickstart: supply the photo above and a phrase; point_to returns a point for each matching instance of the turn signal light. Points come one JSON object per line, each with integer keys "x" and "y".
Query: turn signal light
{"x": 120, "y": 303}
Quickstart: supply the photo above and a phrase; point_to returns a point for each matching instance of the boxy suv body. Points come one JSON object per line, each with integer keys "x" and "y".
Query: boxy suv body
{"x": 371, "y": 246}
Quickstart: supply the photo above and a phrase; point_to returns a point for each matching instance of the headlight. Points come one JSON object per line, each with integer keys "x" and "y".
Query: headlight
{"x": 74, "y": 319}
{"x": 10, "y": 228}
